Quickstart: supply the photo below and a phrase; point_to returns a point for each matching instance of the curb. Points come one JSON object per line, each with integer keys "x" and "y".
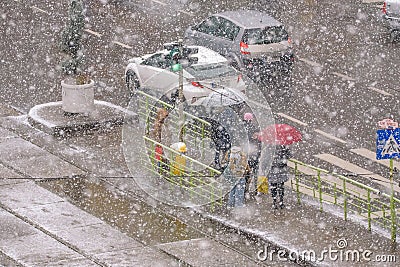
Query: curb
{"x": 252, "y": 235}
{"x": 50, "y": 118}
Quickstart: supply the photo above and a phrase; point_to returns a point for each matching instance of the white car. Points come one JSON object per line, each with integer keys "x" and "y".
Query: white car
{"x": 154, "y": 71}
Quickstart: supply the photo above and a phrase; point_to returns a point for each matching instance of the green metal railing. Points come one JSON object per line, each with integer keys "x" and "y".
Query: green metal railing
{"x": 371, "y": 204}
{"x": 187, "y": 173}
{"x": 192, "y": 175}
{"x": 364, "y": 201}
{"x": 195, "y": 131}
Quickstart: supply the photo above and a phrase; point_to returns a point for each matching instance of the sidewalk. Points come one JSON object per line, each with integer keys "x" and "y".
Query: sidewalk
{"x": 39, "y": 228}
{"x": 304, "y": 228}
{"x": 81, "y": 237}
{"x": 50, "y": 118}
{"x": 45, "y": 230}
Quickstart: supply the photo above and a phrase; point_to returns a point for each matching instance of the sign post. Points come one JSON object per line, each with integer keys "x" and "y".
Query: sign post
{"x": 387, "y": 147}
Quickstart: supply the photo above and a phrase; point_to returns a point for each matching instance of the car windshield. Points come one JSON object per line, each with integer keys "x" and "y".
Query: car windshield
{"x": 210, "y": 71}
{"x": 159, "y": 60}
{"x": 267, "y": 35}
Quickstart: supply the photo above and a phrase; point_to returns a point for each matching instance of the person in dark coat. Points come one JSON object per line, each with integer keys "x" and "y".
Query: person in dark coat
{"x": 254, "y": 144}
{"x": 222, "y": 142}
{"x": 279, "y": 174}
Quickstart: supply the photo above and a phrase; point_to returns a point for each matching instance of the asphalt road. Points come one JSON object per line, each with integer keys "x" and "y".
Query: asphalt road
{"x": 344, "y": 81}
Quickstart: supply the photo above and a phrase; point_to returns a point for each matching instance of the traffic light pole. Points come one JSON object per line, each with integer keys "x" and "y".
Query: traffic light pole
{"x": 180, "y": 91}
{"x": 180, "y": 43}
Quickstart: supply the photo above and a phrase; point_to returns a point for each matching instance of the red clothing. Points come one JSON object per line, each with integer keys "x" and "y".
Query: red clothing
{"x": 159, "y": 152}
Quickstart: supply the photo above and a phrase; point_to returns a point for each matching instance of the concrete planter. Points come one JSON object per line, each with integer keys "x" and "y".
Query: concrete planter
{"x": 77, "y": 98}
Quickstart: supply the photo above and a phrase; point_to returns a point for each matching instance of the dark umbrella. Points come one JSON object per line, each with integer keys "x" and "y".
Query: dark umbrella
{"x": 279, "y": 134}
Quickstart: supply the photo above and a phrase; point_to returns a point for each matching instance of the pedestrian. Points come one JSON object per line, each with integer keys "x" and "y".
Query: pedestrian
{"x": 158, "y": 155}
{"x": 222, "y": 142}
{"x": 278, "y": 175}
{"x": 254, "y": 149}
{"x": 159, "y": 119}
{"x": 178, "y": 164}
{"x": 162, "y": 161}
{"x": 237, "y": 174}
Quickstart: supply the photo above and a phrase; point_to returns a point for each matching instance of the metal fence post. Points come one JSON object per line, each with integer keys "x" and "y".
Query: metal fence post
{"x": 345, "y": 200}
{"x": 369, "y": 209}
{"x": 384, "y": 215}
{"x": 212, "y": 198}
{"x": 202, "y": 139}
{"x": 320, "y": 189}
{"x": 296, "y": 175}
{"x": 335, "y": 193}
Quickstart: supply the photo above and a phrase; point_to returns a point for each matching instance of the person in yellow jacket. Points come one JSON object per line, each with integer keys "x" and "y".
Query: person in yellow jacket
{"x": 178, "y": 163}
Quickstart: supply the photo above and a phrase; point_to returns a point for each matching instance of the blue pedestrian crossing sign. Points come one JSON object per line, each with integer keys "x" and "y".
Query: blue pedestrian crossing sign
{"x": 387, "y": 143}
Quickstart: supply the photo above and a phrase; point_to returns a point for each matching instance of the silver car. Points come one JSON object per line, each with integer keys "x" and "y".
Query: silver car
{"x": 391, "y": 15}
{"x": 253, "y": 41}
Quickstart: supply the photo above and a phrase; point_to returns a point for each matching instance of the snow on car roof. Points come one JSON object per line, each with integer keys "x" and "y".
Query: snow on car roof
{"x": 208, "y": 56}
{"x": 250, "y": 18}
{"x": 205, "y": 55}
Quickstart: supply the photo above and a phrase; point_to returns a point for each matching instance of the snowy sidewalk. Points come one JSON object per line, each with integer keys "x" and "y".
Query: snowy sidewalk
{"x": 38, "y": 222}
{"x": 300, "y": 229}
{"x": 41, "y": 229}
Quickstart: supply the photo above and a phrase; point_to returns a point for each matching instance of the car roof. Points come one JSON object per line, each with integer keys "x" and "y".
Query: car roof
{"x": 205, "y": 55}
{"x": 250, "y": 18}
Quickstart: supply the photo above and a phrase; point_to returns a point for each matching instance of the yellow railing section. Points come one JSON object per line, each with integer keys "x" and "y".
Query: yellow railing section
{"x": 186, "y": 172}
{"x": 369, "y": 203}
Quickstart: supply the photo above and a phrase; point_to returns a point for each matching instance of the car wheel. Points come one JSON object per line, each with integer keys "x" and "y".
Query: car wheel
{"x": 132, "y": 82}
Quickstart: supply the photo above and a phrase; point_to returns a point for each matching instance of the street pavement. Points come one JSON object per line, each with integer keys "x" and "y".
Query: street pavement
{"x": 41, "y": 228}
{"x": 38, "y": 228}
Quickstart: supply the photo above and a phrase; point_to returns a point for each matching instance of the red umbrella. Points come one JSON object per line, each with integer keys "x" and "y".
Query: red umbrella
{"x": 279, "y": 134}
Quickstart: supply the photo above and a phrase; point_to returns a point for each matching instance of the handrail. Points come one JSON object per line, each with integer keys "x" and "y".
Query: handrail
{"x": 352, "y": 199}
{"x": 170, "y": 106}
{"x": 184, "y": 156}
{"x": 155, "y": 99}
{"x": 340, "y": 176}
{"x": 201, "y": 182}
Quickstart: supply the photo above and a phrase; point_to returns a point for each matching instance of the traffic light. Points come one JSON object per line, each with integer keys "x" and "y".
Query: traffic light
{"x": 174, "y": 54}
{"x": 188, "y": 52}
{"x": 171, "y": 46}
{"x": 176, "y": 67}
{"x": 181, "y": 56}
